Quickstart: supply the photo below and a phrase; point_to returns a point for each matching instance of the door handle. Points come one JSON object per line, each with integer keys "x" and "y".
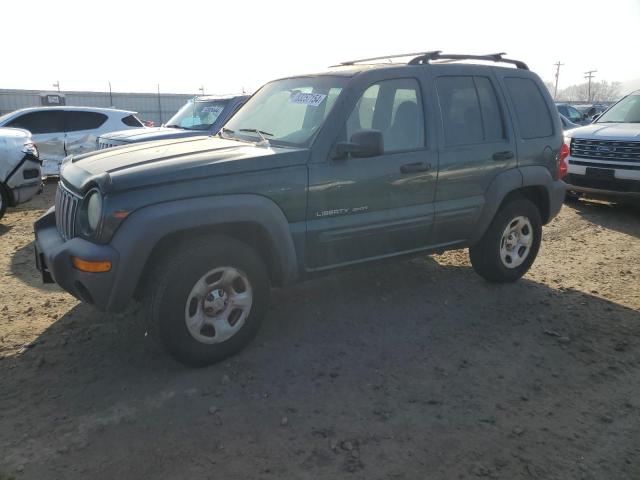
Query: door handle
{"x": 498, "y": 156}
{"x": 415, "y": 167}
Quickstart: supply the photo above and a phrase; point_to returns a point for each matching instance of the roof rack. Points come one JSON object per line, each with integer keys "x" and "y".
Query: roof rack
{"x": 422, "y": 58}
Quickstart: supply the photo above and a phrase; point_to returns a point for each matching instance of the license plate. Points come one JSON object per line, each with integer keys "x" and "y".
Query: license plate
{"x": 601, "y": 173}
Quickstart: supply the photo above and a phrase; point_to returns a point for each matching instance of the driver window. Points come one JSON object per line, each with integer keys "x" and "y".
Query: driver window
{"x": 395, "y": 108}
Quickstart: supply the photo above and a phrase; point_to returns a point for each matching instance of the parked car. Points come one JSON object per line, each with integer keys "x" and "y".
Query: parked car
{"x": 20, "y": 177}
{"x": 566, "y": 123}
{"x": 62, "y": 131}
{"x": 604, "y": 160}
{"x": 314, "y": 173}
{"x": 200, "y": 116}
{"x": 573, "y": 114}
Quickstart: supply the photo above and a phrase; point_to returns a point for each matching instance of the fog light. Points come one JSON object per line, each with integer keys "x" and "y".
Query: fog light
{"x": 91, "y": 266}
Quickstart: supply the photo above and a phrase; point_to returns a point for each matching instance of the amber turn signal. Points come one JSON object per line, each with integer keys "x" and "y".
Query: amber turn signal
{"x": 91, "y": 266}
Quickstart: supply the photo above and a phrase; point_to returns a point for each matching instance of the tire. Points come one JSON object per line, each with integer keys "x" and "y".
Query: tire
{"x": 4, "y": 200}
{"x": 191, "y": 297}
{"x": 499, "y": 257}
{"x": 571, "y": 197}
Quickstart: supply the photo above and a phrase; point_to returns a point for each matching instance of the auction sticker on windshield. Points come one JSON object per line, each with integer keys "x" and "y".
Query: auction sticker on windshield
{"x": 313, "y": 99}
{"x": 215, "y": 109}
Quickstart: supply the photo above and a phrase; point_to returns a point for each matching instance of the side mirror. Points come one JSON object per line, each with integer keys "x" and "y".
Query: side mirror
{"x": 364, "y": 143}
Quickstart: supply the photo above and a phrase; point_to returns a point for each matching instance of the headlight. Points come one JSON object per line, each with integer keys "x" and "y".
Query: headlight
{"x": 91, "y": 212}
{"x": 30, "y": 149}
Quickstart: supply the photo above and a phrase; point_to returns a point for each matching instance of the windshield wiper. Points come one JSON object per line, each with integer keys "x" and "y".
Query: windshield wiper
{"x": 262, "y": 133}
{"x": 175, "y": 126}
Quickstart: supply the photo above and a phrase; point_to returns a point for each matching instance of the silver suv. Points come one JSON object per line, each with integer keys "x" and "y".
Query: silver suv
{"x": 604, "y": 159}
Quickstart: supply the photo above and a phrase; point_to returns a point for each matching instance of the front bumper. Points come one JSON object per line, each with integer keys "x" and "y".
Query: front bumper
{"x": 54, "y": 260}
{"x": 617, "y": 188}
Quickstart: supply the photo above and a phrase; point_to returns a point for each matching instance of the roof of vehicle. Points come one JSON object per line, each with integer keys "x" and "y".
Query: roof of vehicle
{"x": 78, "y": 109}
{"x": 211, "y": 98}
{"x": 353, "y": 67}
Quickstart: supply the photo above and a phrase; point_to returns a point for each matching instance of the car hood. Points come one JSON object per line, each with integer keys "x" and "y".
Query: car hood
{"x": 150, "y": 133}
{"x": 166, "y": 161}
{"x": 607, "y": 131}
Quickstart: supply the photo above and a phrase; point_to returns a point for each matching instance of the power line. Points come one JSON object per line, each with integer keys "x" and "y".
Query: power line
{"x": 589, "y": 75}
{"x": 555, "y": 92}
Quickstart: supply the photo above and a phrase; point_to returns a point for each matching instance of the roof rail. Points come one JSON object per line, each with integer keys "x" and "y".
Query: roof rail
{"x": 491, "y": 57}
{"x": 385, "y": 57}
{"x": 422, "y": 58}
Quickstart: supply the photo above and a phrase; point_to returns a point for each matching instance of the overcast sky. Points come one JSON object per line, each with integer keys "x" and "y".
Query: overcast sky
{"x": 225, "y": 46}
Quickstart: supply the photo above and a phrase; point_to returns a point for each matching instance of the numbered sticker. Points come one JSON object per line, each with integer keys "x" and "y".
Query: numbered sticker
{"x": 312, "y": 99}
{"x": 214, "y": 109}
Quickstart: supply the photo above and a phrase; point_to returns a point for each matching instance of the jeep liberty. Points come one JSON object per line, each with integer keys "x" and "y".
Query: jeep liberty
{"x": 314, "y": 173}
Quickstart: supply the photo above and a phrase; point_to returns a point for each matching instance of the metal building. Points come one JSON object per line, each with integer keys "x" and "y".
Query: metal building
{"x": 150, "y": 106}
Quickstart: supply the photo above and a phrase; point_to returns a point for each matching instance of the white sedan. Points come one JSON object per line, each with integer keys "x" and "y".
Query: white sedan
{"x": 20, "y": 177}
{"x": 62, "y": 131}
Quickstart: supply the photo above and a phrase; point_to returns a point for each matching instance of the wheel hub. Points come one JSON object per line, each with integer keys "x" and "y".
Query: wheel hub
{"x": 215, "y": 302}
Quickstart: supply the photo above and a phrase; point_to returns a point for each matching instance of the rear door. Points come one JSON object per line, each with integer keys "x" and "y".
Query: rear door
{"x": 81, "y": 130}
{"x": 475, "y": 146}
{"x": 538, "y": 128}
{"x": 47, "y": 130}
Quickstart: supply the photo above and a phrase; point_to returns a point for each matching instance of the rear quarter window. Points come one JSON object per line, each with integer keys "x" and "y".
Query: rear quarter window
{"x": 132, "y": 121}
{"x": 532, "y": 114}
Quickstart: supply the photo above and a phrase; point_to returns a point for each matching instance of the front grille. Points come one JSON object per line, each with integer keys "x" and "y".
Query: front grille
{"x": 607, "y": 152}
{"x": 66, "y": 209}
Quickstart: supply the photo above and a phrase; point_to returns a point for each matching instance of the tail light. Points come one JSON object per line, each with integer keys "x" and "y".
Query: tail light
{"x": 563, "y": 166}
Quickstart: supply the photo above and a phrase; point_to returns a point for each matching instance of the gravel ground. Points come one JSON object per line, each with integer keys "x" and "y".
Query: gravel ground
{"x": 416, "y": 369}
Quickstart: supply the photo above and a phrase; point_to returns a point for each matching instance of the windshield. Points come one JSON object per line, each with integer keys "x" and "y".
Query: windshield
{"x": 286, "y": 112}
{"x": 626, "y": 110}
{"x": 198, "y": 114}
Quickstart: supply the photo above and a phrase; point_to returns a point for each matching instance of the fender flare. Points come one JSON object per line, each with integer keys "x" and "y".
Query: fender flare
{"x": 511, "y": 180}
{"x": 141, "y": 232}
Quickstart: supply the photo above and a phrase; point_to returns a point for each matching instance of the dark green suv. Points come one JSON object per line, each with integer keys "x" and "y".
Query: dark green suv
{"x": 314, "y": 173}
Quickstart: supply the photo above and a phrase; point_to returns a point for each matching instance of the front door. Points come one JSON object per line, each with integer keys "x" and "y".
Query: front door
{"x": 362, "y": 208}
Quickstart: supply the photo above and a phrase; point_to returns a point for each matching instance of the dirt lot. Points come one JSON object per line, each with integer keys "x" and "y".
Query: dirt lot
{"x": 417, "y": 369}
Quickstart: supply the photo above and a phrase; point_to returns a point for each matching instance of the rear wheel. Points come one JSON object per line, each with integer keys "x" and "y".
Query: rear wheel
{"x": 510, "y": 244}
{"x": 208, "y": 300}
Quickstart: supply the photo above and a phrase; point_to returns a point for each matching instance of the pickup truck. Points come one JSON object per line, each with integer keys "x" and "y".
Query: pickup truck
{"x": 367, "y": 161}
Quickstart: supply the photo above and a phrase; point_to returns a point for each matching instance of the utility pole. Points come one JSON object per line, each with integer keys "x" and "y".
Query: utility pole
{"x": 57, "y": 85}
{"x": 110, "y": 96}
{"x": 201, "y": 90}
{"x": 589, "y": 75}
{"x": 555, "y": 92}
{"x": 159, "y": 105}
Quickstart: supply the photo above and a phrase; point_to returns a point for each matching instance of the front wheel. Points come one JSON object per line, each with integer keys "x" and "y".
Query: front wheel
{"x": 207, "y": 299}
{"x": 510, "y": 244}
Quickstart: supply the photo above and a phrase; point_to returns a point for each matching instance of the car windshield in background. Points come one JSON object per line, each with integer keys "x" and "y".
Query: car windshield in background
{"x": 626, "y": 110}
{"x": 286, "y": 112}
{"x": 197, "y": 115}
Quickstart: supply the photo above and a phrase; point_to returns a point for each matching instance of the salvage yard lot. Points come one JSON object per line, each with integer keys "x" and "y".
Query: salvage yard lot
{"x": 417, "y": 369}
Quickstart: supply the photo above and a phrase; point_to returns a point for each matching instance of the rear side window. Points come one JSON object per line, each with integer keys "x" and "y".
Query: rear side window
{"x": 51, "y": 121}
{"x": 132, "y": 121}
{"x": 470, "y": 110}
{"x": 532, "y": 114}
{"x": 76, "y": 121}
